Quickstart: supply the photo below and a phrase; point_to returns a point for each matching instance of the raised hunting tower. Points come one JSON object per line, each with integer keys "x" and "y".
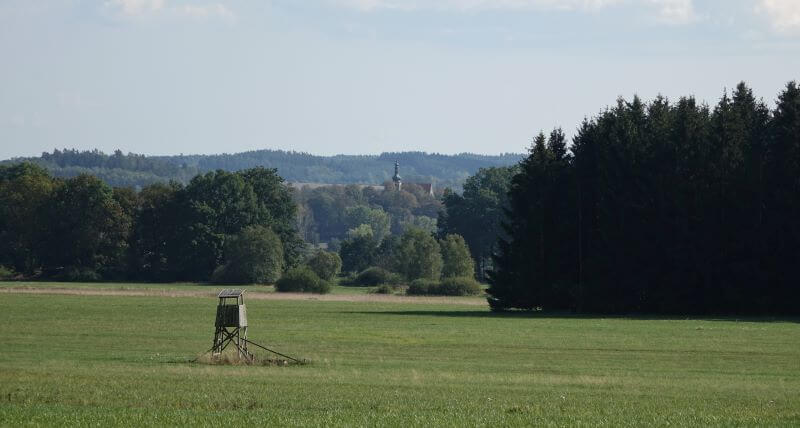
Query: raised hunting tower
{"x": 231, "y": 323}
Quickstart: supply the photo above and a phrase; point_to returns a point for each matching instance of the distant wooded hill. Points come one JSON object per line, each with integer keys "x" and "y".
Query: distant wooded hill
{"x": 119, "y": 169}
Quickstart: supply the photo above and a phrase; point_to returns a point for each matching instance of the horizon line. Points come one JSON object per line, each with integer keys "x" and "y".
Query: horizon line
{"x": 373, "y": 154}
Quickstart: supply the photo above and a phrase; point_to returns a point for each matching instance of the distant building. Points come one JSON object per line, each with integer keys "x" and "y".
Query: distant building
{"x": 427, "y": 187}
{"x": 398, "y": 181}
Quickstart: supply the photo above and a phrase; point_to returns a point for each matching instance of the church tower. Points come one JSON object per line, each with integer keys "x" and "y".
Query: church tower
{"x": 398, "y": 182}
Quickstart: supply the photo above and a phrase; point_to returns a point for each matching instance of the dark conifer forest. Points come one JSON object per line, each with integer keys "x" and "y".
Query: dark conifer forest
{"x": 660, "y": 207}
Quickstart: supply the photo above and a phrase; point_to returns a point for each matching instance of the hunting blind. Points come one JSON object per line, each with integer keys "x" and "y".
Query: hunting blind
{"x": 231, "y": 323}
{"x": 231, "y": 328}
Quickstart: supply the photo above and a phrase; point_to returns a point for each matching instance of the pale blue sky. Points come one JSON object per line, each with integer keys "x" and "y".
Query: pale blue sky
{"x": 364, "y": 76}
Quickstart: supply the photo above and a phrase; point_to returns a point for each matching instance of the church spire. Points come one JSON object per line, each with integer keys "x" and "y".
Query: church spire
{"x": 398, "y": 182}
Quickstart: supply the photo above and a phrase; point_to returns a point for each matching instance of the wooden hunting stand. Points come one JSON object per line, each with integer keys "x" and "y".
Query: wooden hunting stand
{"x": 231, "y": 328}
{"x": 231, "y": 324}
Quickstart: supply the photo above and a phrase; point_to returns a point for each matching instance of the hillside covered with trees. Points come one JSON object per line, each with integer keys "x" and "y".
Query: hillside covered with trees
{"x": 133, "y": 170}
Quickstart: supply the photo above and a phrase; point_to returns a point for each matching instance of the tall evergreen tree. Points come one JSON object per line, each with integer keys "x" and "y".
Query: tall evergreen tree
{"x": 662, "y": 208}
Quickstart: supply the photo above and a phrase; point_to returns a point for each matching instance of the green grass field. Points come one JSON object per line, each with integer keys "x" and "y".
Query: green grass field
{"x": 122, "y": 360}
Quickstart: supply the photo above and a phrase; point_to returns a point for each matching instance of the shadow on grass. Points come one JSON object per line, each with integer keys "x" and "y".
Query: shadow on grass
{"x": 562, "y": 315}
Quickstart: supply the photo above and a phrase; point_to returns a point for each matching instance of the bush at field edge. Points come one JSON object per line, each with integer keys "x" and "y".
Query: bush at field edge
{"x": 456, "y": 286}
{"x": 302, "y": 279}
{"x": 375, "y": 276}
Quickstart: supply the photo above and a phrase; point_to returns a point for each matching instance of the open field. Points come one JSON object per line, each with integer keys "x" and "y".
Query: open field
{"x": 125, "y": 360}
{"x": 254, "y": 292}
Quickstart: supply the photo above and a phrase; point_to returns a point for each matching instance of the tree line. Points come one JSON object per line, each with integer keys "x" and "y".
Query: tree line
{"x": 444, "y": 170}
{"x": 659, "y": 207}
{"x": 82, "y": 229}
{"x": 134, "y": 170}
{"x": 222, "y": 227}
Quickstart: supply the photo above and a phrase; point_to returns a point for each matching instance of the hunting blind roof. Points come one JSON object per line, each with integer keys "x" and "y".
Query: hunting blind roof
{"x": 230, "y": 292}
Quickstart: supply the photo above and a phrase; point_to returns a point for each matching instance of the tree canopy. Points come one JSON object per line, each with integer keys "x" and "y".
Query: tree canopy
{"x": 86, "y": 227}
{"x": 477, "y": 213}
{"x": 659, "y": 207}
{"x": 418, "y": 256}
{"x": 253, "y": 256}
{"x": 456, "y": 260}
{"x": 81, "y": 227}
{"x": 25, "y": 190}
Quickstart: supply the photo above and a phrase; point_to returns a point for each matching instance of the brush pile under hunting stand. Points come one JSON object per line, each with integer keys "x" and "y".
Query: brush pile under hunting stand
{"x": 231, "y": 324}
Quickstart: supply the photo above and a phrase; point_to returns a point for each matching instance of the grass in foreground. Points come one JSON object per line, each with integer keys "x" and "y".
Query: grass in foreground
{"x": 89, "y": 360}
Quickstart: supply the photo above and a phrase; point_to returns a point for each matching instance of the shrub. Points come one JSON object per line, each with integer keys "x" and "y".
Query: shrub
{"x": 421, "y": 287}
{"x": 458, "y": 286}
{"x": 385, "y": 289}
{"x": 376, "y": 276}
{"x": 325, "y": 264}
{"x": 302, "y": 279}
{"x": 78, "y": 274}
{"x": 7, "y": 273}
{"x": 348, "y": 279}
{"x": 323, "y": 287}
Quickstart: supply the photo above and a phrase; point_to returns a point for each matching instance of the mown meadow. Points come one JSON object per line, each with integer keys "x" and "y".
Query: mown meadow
{"x": 122, "y": 360}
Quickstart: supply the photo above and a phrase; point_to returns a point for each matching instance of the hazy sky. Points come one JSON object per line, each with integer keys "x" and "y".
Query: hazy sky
{"x": 364, "y": 76}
